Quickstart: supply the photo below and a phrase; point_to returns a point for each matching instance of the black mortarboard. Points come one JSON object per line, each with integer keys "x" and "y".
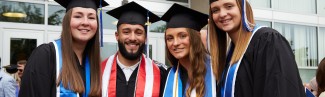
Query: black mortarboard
{"x": 179, "y": 16}
{"x": 211, "y": 1}
{"x": 94, "y": 4}
{"x": 12, "y": 68}
{"x": 133, "y": 13}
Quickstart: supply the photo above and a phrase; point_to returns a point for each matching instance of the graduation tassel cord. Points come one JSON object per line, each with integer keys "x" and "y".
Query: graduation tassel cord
{"x": 246, "y": 23}
{"x": 101, "y": 23}
{"x": 148, "y": 25}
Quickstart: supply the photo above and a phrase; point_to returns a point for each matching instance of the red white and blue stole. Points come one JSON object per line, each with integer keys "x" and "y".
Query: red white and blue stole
{"x": 173, "y": 87}
{"x": 147, "y": 83}
{"x": 60, "y": 90}
{"x": 228, "y": 87}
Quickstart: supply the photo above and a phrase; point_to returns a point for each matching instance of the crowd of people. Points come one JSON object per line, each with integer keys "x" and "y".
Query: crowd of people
{"x": 234, "y": 58}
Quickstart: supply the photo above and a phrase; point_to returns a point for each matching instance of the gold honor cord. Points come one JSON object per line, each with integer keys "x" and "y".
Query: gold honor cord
{"x": 176, "y": 90}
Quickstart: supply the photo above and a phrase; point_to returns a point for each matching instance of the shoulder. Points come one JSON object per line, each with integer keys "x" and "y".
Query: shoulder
{"x": 6, "y": 77}
{"x": 266, "y": 35}
{"x": 266, "y": 32}
{"x": 322, "y": 94}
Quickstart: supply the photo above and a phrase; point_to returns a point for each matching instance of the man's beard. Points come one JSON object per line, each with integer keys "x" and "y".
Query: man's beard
{"x": 130, "y": 56}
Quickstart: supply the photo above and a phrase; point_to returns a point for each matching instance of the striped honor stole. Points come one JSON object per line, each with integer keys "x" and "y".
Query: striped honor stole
{"x": 228, "y": 87}
{"x": 147, "y": 82}
{"x": 60, "y": 90}
{"x": 173, "y": 87}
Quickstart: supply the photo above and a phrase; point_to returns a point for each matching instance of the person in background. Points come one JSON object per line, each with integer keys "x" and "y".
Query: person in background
{"x": 8, "y": 85}
{"x": 256, "y": 61}
{"x": 312, "y": 86}
{"x": 128, "y": 73}
{"x": 320, "y": 78}
{"x": 191, "y": 74}
{"x": 21, "y": 66}
{"x": 69, "y": 66}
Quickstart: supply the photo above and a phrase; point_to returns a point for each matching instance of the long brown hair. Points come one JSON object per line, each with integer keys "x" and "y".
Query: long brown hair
{"x": 70, "y": 75}
{"x": 218, "y": 42}
{"x": 197, "y": 69}
{"x": 320, "y": 77}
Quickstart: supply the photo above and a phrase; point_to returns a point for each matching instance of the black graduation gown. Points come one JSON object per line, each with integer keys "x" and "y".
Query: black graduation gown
{"x": 39, "y": 76}
{"x": 126, "y": 88}
{"x": 268, "y": 68}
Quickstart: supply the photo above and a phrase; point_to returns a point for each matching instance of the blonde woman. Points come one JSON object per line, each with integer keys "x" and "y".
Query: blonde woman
{"x": 259, "y": 61}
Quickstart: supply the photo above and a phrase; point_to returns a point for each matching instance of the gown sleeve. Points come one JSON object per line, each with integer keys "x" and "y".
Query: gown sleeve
{"x": 39, "y": 76}
{"x": 163, "y": 77}
{"x": 274, "y": 69}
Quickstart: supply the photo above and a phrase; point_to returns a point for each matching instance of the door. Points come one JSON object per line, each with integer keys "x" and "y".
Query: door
{"x": 19, "y": 44}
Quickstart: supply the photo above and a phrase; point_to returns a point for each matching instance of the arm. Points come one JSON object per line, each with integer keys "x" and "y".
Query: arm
{"x": 39, "y": 76}
{"x": 276, "y": 73}
{"x": 10, "y": 87}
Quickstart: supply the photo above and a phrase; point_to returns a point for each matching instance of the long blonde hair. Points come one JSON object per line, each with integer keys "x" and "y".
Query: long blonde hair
{"x": 70, "y": 75}
{"x": 197, "y": 69}
{"x": 218, "y": 42}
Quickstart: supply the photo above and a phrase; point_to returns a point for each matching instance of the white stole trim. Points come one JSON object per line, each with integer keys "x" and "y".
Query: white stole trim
{"x": 239, "y": 61}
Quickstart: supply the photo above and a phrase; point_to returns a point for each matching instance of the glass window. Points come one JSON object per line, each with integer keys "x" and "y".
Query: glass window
{"x": 321, "y": 43}
{"x": 260, "y": 3}
{"x": 321, "y": 7}
{"x": 263, "y": 23}
{"x": 307, "y": 74}
{"x": 21, "y": 12}
{"x": 159, "y": 27}
{"x": 21, "y": 48}
{"x": 108, "y": 49}
{"x": 300, "y": 6}
{"x": 303, "y": 41}
{"x": 56, "y": 14}
{"x": 109, "y": 22}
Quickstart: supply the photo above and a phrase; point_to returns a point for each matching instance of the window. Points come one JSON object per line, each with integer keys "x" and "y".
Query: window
{"x": 260, "y": 3}
{"x": 21, "y": 12}
{"x": 109, "y": 22}
{"x": 21, "y": 48}
{"x": 321, "y": 7}
{"x": 303, "y": 41}
{"x": 300, "y": 6}
{"x": 263, "y": 23}
{"x": 56, "y": 14}
{"x": 107, "y": 50}
{"x": 159, "y": 27}
{"x": 321, "y": 43}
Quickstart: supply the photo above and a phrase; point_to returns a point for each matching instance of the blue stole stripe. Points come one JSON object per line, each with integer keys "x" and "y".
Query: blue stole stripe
{"x": 227, "y": 88}
{"x": 169, "y": 88}
{"x": 66, "y": 92}
{"x": 208, "y": 79}
{"x": 87, "y": 69}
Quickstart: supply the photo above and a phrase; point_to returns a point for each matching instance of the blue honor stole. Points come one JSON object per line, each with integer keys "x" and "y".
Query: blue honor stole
{"x": 228, "y": 86}
{"x": 60, "y": 90}
{"x": 173, "y": 87}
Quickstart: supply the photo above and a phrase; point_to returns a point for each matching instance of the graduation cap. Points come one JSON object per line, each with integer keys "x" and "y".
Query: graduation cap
{"x": 211, "y": 1}
{"x": 94, "y": 4}
{"x": 179, "y": 16}
{"x": 133, "y": 13}
{"x": 12, "y": 68}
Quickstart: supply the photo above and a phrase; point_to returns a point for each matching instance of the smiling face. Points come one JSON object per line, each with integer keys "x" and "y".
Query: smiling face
{"x": 178, "y": 42}
{"x": 131, "y": 40}
{"x": 226, "y": 15}
{"x": 83, "y": 24}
